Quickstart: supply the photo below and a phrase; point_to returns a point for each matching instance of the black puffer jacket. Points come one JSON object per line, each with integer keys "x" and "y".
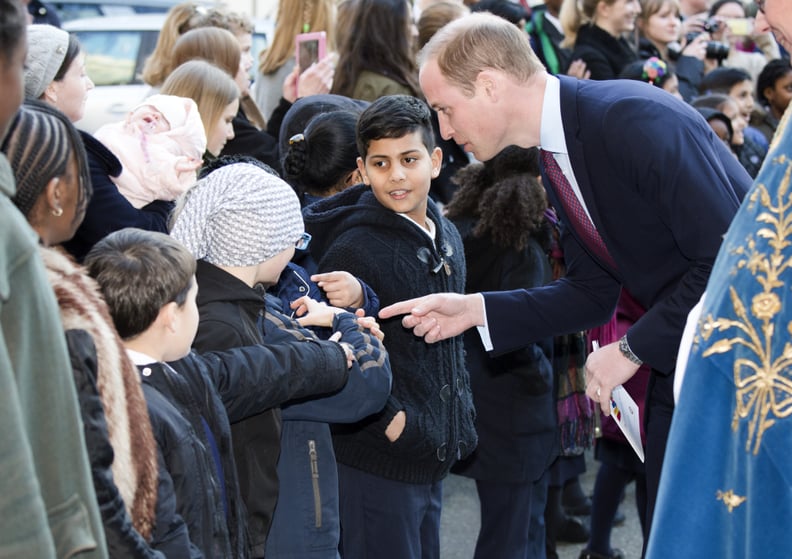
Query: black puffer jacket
{"x": 198, "y": 395}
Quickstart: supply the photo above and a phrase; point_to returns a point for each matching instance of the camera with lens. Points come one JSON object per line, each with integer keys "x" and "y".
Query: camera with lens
{"x": 712, "y": 25}
{"x": 715, "y": 49}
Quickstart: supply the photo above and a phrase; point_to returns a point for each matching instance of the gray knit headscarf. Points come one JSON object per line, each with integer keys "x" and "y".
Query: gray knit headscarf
{"x": 238, "y": 215}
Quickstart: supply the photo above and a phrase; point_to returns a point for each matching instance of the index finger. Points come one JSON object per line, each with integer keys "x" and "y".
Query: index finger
{"x": 402, "y": 307}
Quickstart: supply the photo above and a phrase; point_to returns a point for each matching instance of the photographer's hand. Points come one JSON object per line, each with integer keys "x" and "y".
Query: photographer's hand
{"x": 697, "y": 48}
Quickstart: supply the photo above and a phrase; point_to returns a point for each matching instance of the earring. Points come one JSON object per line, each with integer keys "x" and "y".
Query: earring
{"x": 57, "y": 212}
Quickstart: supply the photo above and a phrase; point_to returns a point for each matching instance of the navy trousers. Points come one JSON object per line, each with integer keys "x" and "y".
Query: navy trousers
{"x": 386, "y": 519}
{"x": 512, "y": 520}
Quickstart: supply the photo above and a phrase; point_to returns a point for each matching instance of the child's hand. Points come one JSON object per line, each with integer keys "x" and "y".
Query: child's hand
{"x": 314, "y": 313}
{"x": 370, "y": 323}
{"x": 348, "y": 349}
{"x": 396, "y": 426}
{"x": 342, "y": 289}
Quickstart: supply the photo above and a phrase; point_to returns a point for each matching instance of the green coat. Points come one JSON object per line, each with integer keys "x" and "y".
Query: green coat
{"x": 370, "y": 87}
{"x": 47, "y": 501}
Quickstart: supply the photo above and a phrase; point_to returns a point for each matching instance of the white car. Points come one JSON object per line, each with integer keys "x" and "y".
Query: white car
{"x": 116, "y": 49}
{"x": 73, "y": 9}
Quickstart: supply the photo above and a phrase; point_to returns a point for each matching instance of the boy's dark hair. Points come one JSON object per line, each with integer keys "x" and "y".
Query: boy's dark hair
{"x": 770, "y": 74}
{"x": 13, "y": 27}
{"x": 394, "y": 116}
{"x": 139, "y": 272}
{"x": 722, "y": 79}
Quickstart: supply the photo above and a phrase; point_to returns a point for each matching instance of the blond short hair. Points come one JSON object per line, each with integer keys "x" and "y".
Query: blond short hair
{"x": 468, "y": 45}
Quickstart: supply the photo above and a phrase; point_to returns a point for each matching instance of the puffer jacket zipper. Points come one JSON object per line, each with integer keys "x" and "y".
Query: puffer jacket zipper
{"x": 313, "y": 456}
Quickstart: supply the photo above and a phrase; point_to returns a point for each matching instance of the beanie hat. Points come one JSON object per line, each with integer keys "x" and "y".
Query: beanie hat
{"x": 238, "y": 215}
{"x": 47, "y": 47}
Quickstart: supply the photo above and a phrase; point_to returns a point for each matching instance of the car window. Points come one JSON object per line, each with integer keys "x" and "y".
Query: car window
{"x": 111, "y": 56}
{"x": 68, "y": 10}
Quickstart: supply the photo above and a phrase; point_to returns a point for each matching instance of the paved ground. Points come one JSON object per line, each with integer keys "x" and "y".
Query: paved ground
{"x": 460, "y": 520}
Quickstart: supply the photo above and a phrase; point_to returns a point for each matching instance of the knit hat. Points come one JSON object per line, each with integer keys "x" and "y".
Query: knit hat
{"x": 238, "y": 215}
{"x": 47, "y": 47}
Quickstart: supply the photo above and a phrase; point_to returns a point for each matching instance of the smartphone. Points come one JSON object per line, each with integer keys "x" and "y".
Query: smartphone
{"x": 740, "y": 26}
{"x": 310, "y": 48}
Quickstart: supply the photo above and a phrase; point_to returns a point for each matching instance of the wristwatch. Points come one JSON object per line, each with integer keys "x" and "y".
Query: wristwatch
{"x": 624, "y": 347}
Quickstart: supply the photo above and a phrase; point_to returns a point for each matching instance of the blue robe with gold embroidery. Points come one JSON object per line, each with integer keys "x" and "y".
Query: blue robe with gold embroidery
{"x": 726, "y": 486}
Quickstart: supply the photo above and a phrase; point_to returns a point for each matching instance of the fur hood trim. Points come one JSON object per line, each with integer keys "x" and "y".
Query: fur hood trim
{"x": 135, "y": 468}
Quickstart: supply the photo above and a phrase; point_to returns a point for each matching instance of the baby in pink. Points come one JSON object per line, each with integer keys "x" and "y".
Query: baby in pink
{"x": 160, "y": 145}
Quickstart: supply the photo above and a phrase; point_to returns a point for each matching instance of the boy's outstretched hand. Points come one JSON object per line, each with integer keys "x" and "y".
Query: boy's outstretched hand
{"x": 311, "y": 312}
{"x": 438, "y": 316}
{"x": 341, "y": 288}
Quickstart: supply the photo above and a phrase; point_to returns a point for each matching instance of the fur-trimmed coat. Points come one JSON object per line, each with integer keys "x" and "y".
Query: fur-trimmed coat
{"x": 101, "y": 365}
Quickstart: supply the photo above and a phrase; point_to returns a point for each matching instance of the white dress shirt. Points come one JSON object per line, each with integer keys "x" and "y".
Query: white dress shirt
{"x": 551, "y": 139}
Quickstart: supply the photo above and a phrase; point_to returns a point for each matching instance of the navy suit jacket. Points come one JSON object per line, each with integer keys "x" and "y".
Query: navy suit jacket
{"x": 661, "y": 189}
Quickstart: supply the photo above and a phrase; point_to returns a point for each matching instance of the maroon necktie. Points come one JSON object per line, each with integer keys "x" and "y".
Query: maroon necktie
{"x": 574, "y": 209}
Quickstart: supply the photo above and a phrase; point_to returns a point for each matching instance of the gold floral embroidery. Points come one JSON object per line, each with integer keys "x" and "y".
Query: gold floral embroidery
{"x": 730, "y": 499}
{"x": 764, "y": 393}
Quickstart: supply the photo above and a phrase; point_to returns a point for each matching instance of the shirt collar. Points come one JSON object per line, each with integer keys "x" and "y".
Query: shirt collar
{"x": 551, "y": 128}
{"x": 140, "y": 359}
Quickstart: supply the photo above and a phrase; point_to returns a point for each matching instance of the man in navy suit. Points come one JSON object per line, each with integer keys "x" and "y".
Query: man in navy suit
{"x": 644, "y": 189}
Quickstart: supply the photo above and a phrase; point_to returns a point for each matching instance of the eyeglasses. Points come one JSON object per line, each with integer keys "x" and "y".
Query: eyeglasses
{"x": 303, "y": 242}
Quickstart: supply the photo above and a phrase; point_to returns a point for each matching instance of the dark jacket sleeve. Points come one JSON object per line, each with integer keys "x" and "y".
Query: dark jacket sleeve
{"x": 368, "y": 386}
{"x": 689, "y": 71}
{"x": 520, "y": 317}
{"x": 253, "y": 379}
{"x": 122, "y": 539}
{"x": 275, "y": 120}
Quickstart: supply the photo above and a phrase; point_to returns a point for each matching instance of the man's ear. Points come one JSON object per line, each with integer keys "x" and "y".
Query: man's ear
{"x": 488, "y": 83}
{"x": 362, "y": 170}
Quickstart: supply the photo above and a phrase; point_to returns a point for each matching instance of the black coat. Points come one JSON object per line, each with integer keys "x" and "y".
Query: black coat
{"x": 605, "y": 56}
{"x": 202, "y": 394}
{"x": 108, "y": 210}
{"x": 170, "y": 538}
{"x": 353, "y": 232}
{"x": 249, "y": 140}
{"x": 513, "y": 393}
